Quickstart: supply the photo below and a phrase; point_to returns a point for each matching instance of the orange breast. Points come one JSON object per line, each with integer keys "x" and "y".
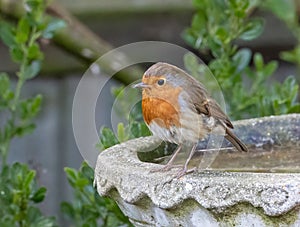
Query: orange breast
{"x": 162, "y": 112}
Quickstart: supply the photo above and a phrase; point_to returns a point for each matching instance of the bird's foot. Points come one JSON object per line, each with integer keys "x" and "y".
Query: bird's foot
{"x": 165, "y": 168}
{"x": 184, "y": 171}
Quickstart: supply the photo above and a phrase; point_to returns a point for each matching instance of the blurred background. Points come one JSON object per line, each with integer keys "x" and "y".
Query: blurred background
{"x": 51, "y": 147}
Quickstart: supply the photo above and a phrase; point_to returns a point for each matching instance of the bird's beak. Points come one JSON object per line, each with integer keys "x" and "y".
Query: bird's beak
{"x": 140, "y": 85}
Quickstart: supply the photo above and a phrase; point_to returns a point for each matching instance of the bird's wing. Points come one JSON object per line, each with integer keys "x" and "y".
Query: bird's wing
{"x": 204, "y": 104}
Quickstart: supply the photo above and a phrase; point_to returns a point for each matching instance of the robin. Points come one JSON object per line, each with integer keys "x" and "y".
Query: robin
{"x": 177, "y": 108}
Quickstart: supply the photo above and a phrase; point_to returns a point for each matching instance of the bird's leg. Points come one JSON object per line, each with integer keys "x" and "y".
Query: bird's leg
{"x": 170, "y": 162}
{"x": 169, "y": 165}
{"x": 185, "y": 169}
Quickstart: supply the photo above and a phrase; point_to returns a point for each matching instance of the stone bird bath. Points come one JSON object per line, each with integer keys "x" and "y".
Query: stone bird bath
{"x": 260, "y": 188}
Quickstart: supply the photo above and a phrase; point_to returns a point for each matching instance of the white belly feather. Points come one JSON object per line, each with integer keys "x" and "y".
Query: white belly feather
{"x": 191, "y": 129}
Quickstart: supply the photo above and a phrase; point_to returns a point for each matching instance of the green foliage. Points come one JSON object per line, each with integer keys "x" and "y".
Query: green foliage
{"x": 19, "y": 191}
{"x": 249, "y": 92}
{"x": 283, "y": 9}
{"x": 124, "y": 133}
{"x": 22, "y": 41}
{"x": 20, "y": 113}
{"x": 135, "y": 127}
{"x": 217, "y": 23}
{"x": 19, "y": 194}
{"x": 133, "y": 130}
{"x": 88, "y": 208}
{"x": 286, "y": 11}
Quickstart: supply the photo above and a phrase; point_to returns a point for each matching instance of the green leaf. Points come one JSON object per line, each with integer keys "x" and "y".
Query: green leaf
{"x": 289, "y": 56}
{"x": 34, "y": 52}
{"x": 28, "y": 179}
{"x": 139, "y": 129}
{"x": 29, "y": 108}
{"x": 67, "y": 209}
{"x": 216, "y": 47}
{"x": 199, "y": 22}
{"x": 118, "y": 91}
{"x": 136, "y": 113}
{"x": 22, "y": 32}
{"x": 39, "y": 195}
{"x": 32, "y": 70}
{"x": 107, "y": 138}
{"x": 44, "y": 222}
{"x": 53, "y": 26}
{"x": 253, "y": 29}
{"x": 4, "y": 84}
{"x": 121, "y": 132}
{"x": 16, "y": 54}
{"x": 284, "y": 9}
{"x": 240, "y": 8}
{"x": 241, "y": 59}
{"x": 270, "y": 68}
{"x": 290, "y": 88}
{"x": 35, "y": 10}
{"x": 258, "y": 61}
{"x": 71, "y": 175}
{"x": 9, "y": 95}
{"x": 87, "y": 171}
{"x": 24, "y": 129}
{"x": 279, "y": 107}
{"x": 190, "y": 38}
{"x": 292, "y": 55}
{"x": 294, "y": 109}
{"x": 7, "y": 34}
{"x": 221, "y": 36}
{"x": 284, "y": 96}
{"x": 6, "y": 223}
{"x": 35, "y": 105}
{"x": 82, "y": 182}
{"x": 32, "y": 215}
{"x": 88, "y": 208}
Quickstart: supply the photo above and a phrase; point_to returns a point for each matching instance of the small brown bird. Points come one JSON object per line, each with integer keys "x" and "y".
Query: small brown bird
{"x": 177, "y": 108}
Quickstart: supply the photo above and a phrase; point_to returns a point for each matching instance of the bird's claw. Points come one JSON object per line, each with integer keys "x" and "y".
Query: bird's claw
{"x": 184, "y": 171}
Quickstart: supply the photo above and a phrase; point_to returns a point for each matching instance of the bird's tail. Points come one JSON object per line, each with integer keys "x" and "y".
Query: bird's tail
{"x": 232, "y": 138}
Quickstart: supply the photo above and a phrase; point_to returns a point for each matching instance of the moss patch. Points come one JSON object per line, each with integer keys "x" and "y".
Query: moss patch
{"x": 229, "y": 215}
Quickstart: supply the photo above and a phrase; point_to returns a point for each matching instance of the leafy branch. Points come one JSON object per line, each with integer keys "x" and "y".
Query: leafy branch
{"x": 19, "y": 190}
{"x": 90, "y": 209}
{"x": 249, "y": 92}
{"x": 22, "y": 41}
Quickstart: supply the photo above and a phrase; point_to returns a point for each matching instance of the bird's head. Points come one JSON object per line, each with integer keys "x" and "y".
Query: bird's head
{"x": 161, "y": 80}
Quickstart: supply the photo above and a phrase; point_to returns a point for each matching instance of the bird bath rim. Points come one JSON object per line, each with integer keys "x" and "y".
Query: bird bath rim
{"x": 119, "y": 168}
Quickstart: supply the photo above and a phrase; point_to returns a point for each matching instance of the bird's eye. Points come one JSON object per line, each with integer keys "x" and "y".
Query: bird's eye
{"x": 161, "y": 82}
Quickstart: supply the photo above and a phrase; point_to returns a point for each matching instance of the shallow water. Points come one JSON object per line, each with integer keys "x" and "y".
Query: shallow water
{"x": 259, "y": 159}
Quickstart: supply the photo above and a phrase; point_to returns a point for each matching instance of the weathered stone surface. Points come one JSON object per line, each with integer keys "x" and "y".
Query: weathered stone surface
{"x": 211, "y": 192}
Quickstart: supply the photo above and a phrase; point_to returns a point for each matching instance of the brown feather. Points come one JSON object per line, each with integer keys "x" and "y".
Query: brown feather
{"x": 202, "y": 102}
{"x": 235, "y": 141}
